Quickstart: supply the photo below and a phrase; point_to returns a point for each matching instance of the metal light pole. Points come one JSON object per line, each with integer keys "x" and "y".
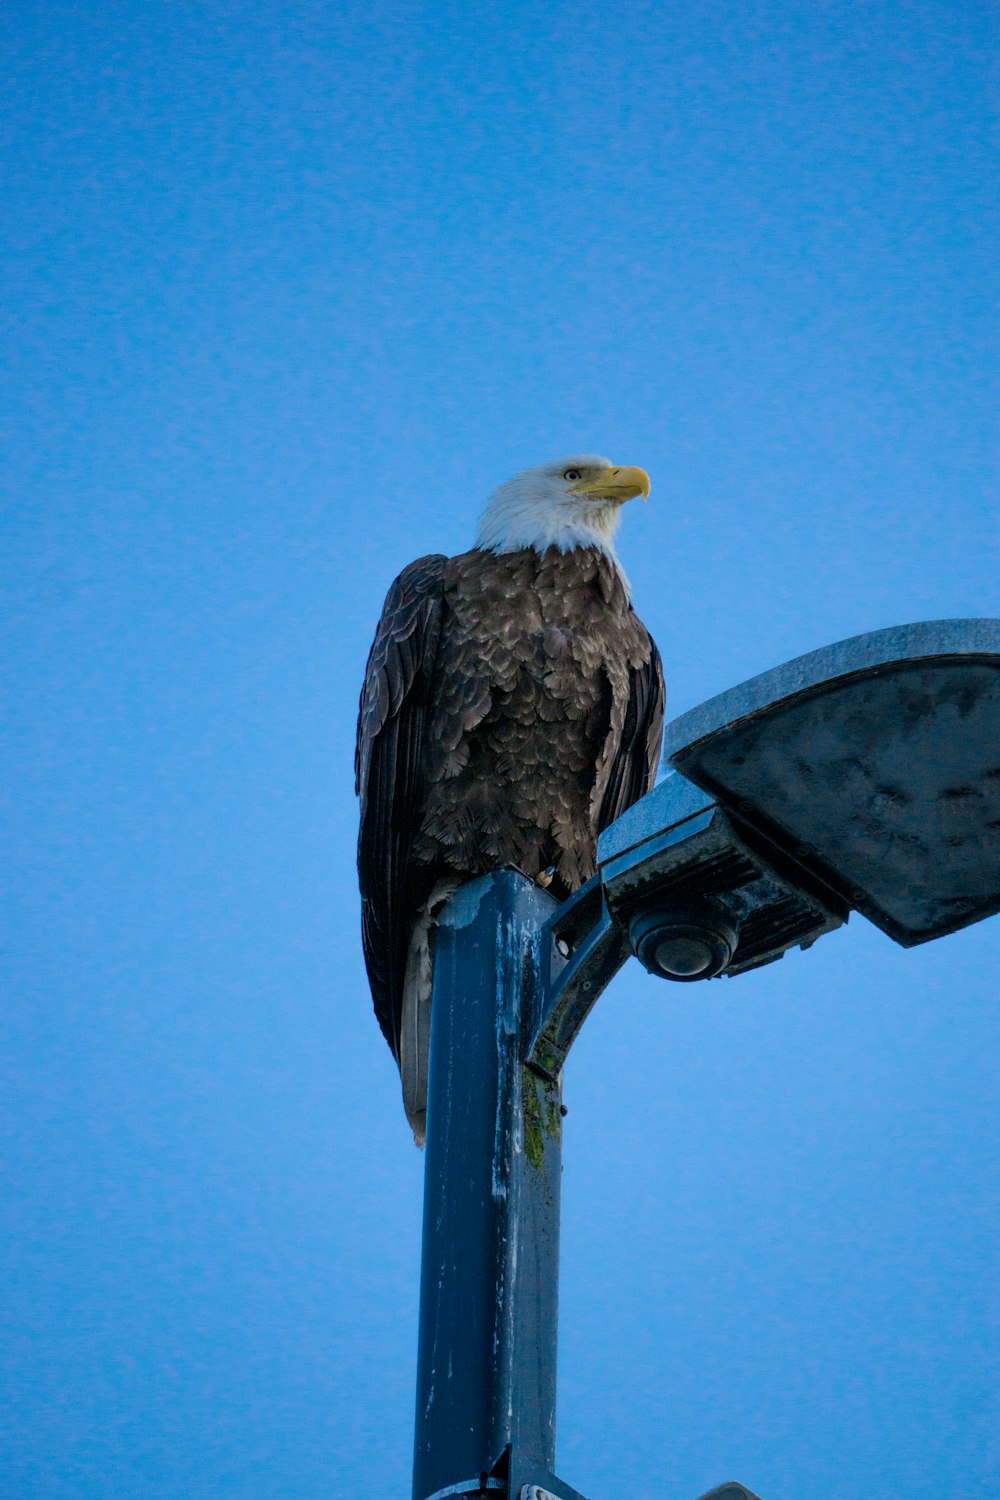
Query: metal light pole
{"x": 865, "y": 776}
{"x": 486, "y": 1364}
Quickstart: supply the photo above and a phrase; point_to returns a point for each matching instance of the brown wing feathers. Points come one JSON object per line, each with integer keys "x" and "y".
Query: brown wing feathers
{"x": 636, "y": 755}
{"x": 512, "y": 707}
{"x": 391, "y": 729}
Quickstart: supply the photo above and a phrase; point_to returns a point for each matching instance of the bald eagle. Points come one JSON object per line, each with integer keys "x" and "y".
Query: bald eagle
{"x": 512, "y": 708}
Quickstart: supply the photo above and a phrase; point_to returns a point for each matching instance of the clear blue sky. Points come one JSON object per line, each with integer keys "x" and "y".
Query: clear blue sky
{"x": 288, "y": 289}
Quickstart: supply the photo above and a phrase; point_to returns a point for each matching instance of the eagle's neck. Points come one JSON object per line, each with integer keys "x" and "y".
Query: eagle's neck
{"x": 513, "y": 522}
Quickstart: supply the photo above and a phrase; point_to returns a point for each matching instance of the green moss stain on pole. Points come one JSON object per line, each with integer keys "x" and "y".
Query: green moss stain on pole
{"x": 542, "y": 1116}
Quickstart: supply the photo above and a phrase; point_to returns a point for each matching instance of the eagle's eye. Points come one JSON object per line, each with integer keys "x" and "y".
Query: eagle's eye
{"x": 572, "y": 474}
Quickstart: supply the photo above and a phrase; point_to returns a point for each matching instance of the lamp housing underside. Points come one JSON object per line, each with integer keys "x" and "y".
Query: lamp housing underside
{"x": 875, "y": 764}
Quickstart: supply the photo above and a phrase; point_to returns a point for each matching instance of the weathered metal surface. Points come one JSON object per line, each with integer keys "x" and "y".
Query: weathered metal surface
{"x": 547, "y": 1487}
{"x": 875, "y": 764}
{"x": 678, "y": 846}
{"x": 486, "y": 1364}
{"x": 580, "y": 952}
{"x": 471, "y": 1489}
{"x": 923, "y": 640}
{"x": 662, "y": 813}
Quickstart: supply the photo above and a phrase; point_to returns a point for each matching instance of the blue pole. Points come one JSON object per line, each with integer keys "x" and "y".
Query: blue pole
{"x": 486, "y": 1363}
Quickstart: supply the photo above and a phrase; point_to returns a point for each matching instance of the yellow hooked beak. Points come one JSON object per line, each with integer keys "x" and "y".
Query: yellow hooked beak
{"x": 615, "y": 484}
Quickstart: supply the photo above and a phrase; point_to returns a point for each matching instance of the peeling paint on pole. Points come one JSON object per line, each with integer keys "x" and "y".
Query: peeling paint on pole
{"x": 486, "y": 1366}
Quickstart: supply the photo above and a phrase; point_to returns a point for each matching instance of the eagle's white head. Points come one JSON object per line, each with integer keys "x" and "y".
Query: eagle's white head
{"x": 572, "y": 502}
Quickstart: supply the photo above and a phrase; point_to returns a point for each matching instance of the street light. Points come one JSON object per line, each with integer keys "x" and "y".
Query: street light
{"x": 865, "y": 776}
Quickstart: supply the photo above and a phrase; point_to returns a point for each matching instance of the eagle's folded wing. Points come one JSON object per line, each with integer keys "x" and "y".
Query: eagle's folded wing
{"x": 389, "y": 771}
{"x": 632, "y": 752}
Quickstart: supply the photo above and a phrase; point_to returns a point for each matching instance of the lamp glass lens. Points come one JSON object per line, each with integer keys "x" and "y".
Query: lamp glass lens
{"x": 683, "y": 955}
